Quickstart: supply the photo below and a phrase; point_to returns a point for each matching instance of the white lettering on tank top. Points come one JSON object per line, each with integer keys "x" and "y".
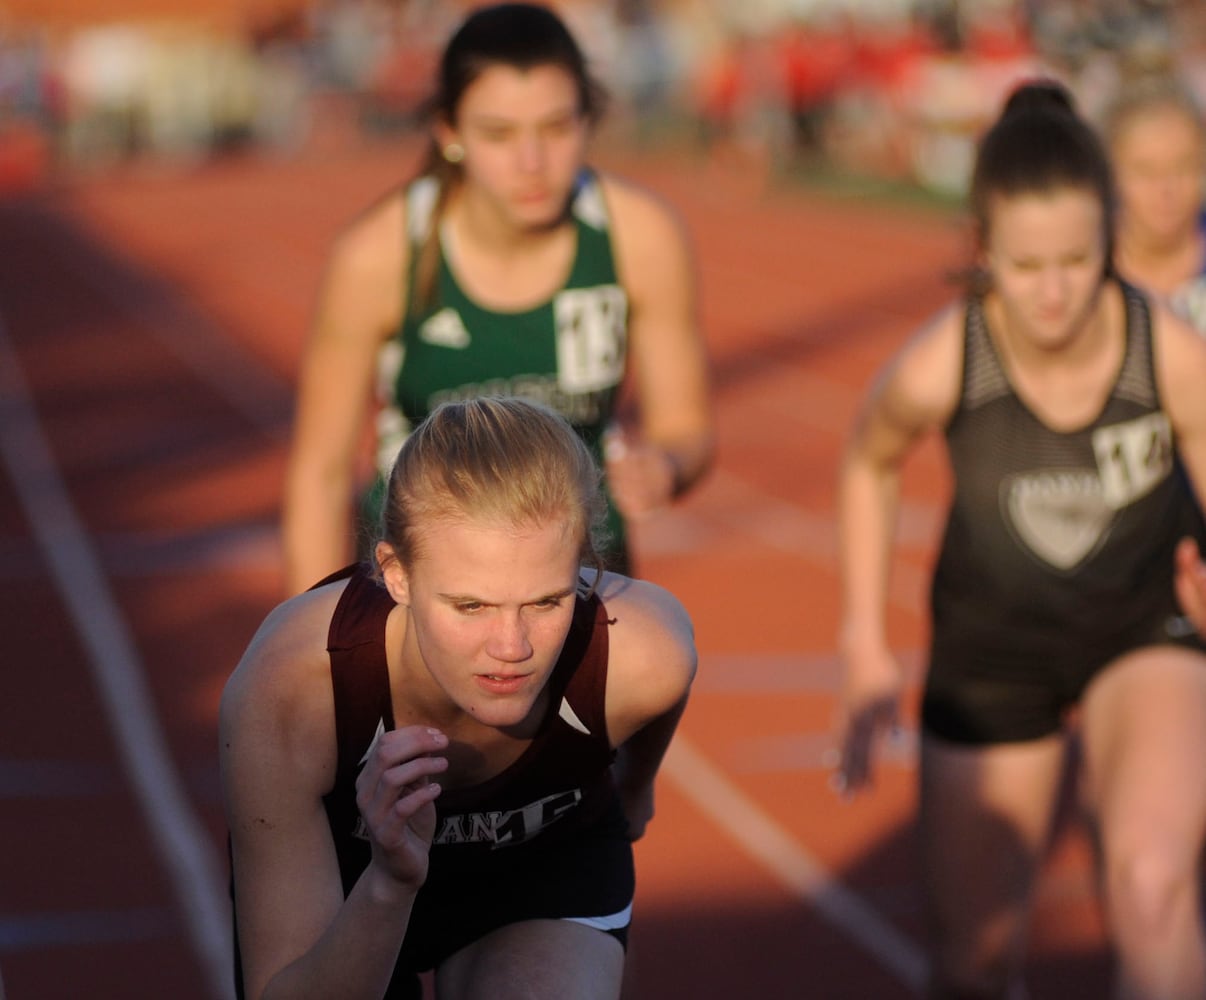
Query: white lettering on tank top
{"x": 508, "y": 827}
{"x": 591, "y": 330}
{"x": 501, "y": 828}
{"x": 581, "y": 408}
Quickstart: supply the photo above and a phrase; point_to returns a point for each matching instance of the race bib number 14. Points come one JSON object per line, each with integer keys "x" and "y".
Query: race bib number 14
{"x": 1132, "y": 458}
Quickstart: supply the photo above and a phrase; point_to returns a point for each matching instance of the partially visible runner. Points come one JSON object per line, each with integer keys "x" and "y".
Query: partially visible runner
{"x": 440, "y": 761}
{"x": 1073, "y": 410}
{"x": 508, "y": 267}
{"x": 1156, "y": 138}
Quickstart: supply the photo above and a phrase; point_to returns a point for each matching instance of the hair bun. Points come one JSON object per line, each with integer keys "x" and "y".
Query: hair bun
{"x": 1039, "y": 95}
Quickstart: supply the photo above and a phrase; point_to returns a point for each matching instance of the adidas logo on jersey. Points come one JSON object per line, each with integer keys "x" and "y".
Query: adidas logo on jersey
{"x": 445, "y": 329}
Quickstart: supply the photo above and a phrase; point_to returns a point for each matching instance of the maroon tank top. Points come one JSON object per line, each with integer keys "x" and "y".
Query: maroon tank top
{"x": 558, "y": 786}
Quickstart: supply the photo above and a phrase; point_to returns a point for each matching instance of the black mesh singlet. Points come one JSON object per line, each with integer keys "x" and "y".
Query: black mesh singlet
{"x": 1058, "y": 545}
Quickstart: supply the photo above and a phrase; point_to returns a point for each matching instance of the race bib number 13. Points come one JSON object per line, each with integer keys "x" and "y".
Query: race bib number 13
{"x": 591, "y": 337}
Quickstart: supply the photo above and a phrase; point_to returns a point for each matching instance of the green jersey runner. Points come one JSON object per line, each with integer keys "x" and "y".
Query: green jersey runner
{"x": 569, "y": 352}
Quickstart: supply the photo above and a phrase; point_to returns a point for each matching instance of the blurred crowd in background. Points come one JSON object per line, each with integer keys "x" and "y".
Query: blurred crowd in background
{"x": 897, "y": 89}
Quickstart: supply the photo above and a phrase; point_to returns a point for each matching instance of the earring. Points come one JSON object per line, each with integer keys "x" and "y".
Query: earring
{"x": 454, "y": 152}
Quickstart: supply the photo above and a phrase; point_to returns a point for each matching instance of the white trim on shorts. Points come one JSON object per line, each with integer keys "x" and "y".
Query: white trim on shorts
{"x": 611, "y": 922}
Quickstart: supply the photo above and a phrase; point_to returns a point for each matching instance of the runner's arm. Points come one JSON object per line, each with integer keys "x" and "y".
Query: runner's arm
{"x": 667, "y": 358}
{"x": 651, "y": 666}
{"x": 298, "y": 936}
{"x": 359, "y": 305}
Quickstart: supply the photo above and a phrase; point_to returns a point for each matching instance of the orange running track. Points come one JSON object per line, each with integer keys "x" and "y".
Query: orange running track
{"x": 150, "y": 326}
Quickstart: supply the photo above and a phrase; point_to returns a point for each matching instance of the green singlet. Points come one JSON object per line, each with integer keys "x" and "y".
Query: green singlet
{"x": 568, "y": 352}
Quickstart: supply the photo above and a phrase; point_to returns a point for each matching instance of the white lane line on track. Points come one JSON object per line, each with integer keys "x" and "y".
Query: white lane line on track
{"x": 817, "y": 751}
{"x": 765, "y": 840}
{"x": 785, "y": 673}
{"x": 187, "y": 854}
{"x": 731, "y": 509}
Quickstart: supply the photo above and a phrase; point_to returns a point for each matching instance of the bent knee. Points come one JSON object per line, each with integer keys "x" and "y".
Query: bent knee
{"x": 1151, "y": 887}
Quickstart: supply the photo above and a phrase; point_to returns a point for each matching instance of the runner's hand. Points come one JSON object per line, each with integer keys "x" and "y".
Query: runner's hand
{"x": 1190, "y": 583}
{"x": 396, "y": 799}
{"x": 640, "y": 475}
{"x": 870, "y": 707}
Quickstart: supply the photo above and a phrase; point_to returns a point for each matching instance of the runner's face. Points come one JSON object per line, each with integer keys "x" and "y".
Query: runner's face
{"x": 1159, "y": 166}
{"x": 524, "y": 138}
{"x": 490, "y": 607}
{"x": 1046, "y": 256}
